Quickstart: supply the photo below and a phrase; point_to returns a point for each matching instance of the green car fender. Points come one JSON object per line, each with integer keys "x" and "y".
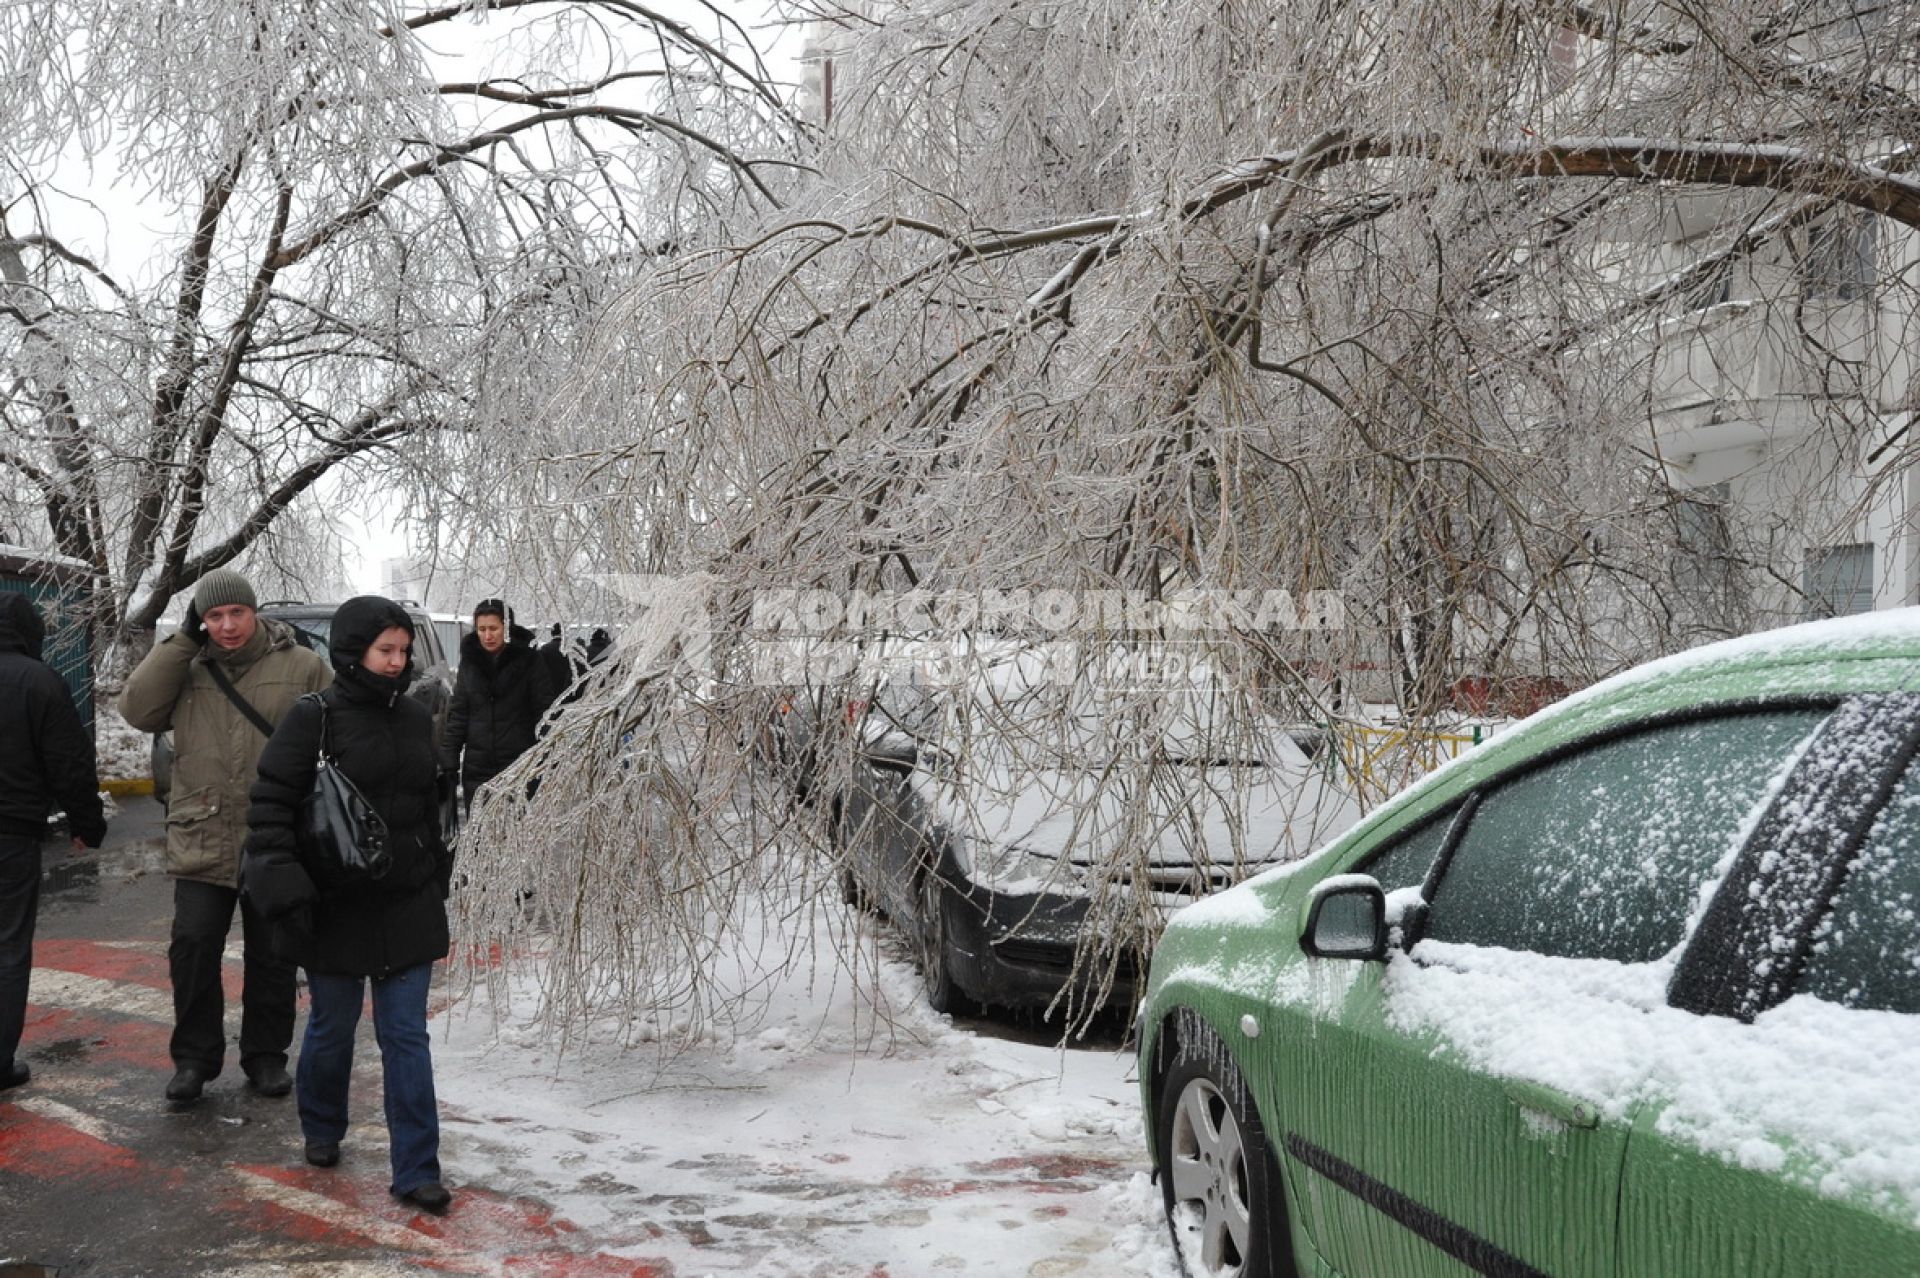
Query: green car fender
{"x": 1224, "y": 973}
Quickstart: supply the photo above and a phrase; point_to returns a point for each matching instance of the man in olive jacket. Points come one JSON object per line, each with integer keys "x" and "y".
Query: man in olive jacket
{"x": 216, "y": 746}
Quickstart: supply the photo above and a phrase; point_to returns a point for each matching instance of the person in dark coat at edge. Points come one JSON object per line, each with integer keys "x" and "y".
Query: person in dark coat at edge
{"x": 498, "y": 698}
{"x": 389, "y": 932}
{"x": 560, "y": 664}
{"x": 46, "y": 760}
{"x": 597, "y": 645}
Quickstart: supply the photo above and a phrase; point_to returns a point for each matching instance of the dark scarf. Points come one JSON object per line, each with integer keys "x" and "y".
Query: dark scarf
{"x": 357, "y": 683}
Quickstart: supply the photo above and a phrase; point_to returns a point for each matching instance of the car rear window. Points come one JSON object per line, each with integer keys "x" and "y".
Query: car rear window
{"x": 1867, "y": 953}
{"x": 448, "y": 633}
{"x": 313, "y": 631}
{"x": 1602, "y": 853}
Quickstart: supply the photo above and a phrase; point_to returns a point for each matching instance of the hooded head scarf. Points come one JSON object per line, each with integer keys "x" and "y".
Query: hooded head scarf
{"x": 356, "y": 624}
{"x": 21, "y": 629}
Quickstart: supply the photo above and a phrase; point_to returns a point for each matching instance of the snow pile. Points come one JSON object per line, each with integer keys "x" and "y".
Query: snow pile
{"x": 124, "y": 753}
{"x": 1809, "y": 1090}
{"x": 839, "y": 1127}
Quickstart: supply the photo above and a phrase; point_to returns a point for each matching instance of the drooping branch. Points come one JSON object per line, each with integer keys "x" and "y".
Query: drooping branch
{"x": 444, "y": 154}
{"x": 756, "y": 79}
{"x": 368, "y": 431}
{"x": 1873, "y": 187}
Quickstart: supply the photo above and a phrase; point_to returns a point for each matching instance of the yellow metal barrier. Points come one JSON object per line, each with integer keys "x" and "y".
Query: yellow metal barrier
{"x": 1380, "y": 762}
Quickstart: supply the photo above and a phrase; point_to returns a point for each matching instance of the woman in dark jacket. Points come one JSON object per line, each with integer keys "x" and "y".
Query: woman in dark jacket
{"x": 502, "y": 690}
{"x": 389, "y": 931}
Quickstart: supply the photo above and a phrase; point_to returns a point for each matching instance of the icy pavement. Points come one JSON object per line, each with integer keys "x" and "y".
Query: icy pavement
{"x": 834, "y": 1132}
{"x": 847, "y": 1132}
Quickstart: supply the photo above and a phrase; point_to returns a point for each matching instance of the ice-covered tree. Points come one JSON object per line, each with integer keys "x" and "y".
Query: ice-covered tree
{"x": 1433, "y": 304}
{"x": 1392, "y": 300}
{"x": 246, "y": 247}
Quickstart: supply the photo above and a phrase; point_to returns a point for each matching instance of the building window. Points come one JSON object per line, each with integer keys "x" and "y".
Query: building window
{"x": 1703, "y": 562}
{"x": 1839, "y": 580}
{"x": 1712, "y": 288}
{"x": 1841, "y": 256}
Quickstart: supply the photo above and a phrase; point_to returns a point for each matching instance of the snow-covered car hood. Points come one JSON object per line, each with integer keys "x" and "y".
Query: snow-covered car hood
{"x": 1210, "y": 819}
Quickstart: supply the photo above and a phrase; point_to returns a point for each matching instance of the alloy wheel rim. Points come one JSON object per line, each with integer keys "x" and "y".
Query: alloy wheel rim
{"x": 1207, "y": 1165}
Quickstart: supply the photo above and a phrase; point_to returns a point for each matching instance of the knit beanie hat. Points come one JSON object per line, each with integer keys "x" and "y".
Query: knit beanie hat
{"x": 220, "y": 587}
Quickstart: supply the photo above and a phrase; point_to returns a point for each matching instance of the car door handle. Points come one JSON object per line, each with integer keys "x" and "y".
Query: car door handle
{"x": 1554, "y": 1104}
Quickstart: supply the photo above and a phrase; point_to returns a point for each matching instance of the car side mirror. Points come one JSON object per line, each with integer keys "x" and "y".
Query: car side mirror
{"x": 1346, "y": 919}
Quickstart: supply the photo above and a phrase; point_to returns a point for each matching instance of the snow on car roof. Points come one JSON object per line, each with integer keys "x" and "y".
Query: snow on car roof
{"x": 1893, "y": 632}
{"x": 1113, "y": 778}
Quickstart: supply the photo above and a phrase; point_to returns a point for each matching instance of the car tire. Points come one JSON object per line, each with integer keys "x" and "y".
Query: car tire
{"x": 931, "y": 951}
{"x": 1219, "y": 1183}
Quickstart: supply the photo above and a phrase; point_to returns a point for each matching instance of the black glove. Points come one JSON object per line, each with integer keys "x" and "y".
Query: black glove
{"x": 192, "y": 627}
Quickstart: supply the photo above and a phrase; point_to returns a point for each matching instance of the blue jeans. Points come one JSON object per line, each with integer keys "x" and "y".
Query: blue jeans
{"x": 326, "y": 1066}
{"x": 19, "y": 903}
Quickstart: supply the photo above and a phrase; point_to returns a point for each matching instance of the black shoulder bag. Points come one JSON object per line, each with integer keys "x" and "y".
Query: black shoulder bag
{"x": 337, "y": 831}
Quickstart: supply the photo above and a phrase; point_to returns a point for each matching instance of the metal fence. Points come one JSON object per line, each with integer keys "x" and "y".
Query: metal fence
{"x": 1379, "y": 762}
{"x": 63, "y": 592}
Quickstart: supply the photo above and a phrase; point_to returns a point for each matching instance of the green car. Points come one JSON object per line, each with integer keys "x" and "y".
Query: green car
{"x": 1629, "y": 990}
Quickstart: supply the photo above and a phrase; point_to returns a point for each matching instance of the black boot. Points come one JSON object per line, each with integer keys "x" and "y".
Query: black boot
{"x": 14, "y": 1075}
{"x": 188, "y": 1082}
{"x": 431, "y": 1197}
{"x": 323, "y": 1153}
{"x": 268, "y": 1078}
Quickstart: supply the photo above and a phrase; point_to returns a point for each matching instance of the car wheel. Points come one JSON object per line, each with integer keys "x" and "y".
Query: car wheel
{"x": 1218, "y": 1179}
{"x": 931, "y": 949}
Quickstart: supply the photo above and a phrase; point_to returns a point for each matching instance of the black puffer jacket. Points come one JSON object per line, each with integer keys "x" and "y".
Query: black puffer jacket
{"x": 383, "y": 741}
{"x": 497, "y": 703}
{"x": 45, "y": 757}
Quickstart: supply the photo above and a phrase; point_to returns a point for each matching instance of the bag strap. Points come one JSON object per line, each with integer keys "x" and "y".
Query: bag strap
{"x": 240, "y": 703}
{"x": 320, "y": 699}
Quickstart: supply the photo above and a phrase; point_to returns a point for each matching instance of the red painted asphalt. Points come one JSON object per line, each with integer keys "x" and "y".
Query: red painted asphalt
{"x": 100, "y": 1177}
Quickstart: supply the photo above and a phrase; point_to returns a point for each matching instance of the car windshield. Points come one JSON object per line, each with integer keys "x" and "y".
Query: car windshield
{"x": 1185, "y": 775}
{"x": 315, "y": 629}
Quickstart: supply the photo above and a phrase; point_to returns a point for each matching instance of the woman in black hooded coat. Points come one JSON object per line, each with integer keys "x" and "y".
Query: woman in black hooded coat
{"x": 388, "y": 932}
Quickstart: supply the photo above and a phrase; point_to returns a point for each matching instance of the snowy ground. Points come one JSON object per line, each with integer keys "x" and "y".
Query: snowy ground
{"x": 844, "y": 1132}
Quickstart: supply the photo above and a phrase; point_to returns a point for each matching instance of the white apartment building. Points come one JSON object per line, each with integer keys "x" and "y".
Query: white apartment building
{"x": 1781, "y": 391}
